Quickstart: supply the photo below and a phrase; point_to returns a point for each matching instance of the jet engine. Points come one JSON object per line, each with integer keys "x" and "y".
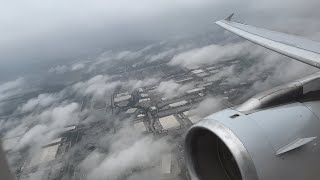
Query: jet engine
{"x": 272, "y": 136}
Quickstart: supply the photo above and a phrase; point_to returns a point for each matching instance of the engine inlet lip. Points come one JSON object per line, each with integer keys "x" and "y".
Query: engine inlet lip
{"x": 233, "y": 143}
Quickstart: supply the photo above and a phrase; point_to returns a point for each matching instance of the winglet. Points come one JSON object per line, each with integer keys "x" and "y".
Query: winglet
{"x": 229, "y": 17}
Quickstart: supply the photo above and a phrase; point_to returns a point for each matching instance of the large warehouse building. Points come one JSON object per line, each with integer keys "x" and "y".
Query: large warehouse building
{"x": 169, "y": 122}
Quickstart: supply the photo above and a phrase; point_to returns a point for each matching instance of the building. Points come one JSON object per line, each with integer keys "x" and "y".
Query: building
{"x": 140, "y": 90}
{"x": 119, "y": 99}
{"x": 123, "y": 104}
{"x": 53, "y": 142}
{"x": 140, "y": 126}
{"x": 163, "y": 99}
{"x": 141, "y": 115}
{"x": 204, "y": 84}
{"x": 195, "y": 90}
{"x": 192, "y": 118}
{"x": 153, "y": 108}
{"x": 177, "y": 104}
{"x": 70, "y": 128}
{"x": 144, "y": 100}
{"x": 131, "y": 111}
{"x": 122, "y": 94}
{"x": 46, "y": 154}
{"x": 169, "y": 122}
{"x": 169, "y": 166}
{"x": 197, "y": 71}
{"x": 184, "y": 80}
{"x": 166, "y": 164}
{"x": 49, "y": 172}
{"x": 144, "y": 95}
{"x": 211, "y": 68}
{"x": 203, "y": 74}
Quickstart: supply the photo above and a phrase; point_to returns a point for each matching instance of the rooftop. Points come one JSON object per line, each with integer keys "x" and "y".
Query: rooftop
{"x": 131, "y": 110}
{"x": 122, "y": 94}
{"x": 69, "y": 128}
{"x": 177, "y": 104}
{"x": 197, "y": 71}
{"x": 186, "y": 113}
{"x": 144, "y": 100}
{"x": 141, "y": 115}
{"x": 169, "y": 166}
{"x": 47, "y": 154}
{"x": 194, "y": 119}
{"x": 122, "y": 98}
{"x": 163, "y": 99}
{"x": 153, "y": 108}
{"x": 184, "y": 80}
{"x": 123, "y": 103}
{"x": 54, "y": 141}
{"x": 212, "y": 68}
{"x": 203, "y": 74}
{"x": 166, "y": 164}
{"x": 144, "y": 95}
{"x": 140, "y": 126}
{"x": 195, "y": 90}
{"x": 168, "y": 122}
{"x": 204, "y": 84}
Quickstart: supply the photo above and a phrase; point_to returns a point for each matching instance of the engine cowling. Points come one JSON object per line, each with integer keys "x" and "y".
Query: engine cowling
{"x": 276, "y": 143}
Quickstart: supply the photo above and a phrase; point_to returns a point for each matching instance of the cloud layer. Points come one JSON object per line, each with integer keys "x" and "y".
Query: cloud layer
{"x": 46, "y": 30}
{"x": 12, "y": 88}
{"x": 129, "y": 149}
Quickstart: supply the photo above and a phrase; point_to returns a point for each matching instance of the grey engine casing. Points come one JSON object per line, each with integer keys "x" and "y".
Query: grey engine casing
{"x": 254, "y": 141}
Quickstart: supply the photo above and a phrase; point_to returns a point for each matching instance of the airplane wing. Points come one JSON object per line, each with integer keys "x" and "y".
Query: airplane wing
{"x": 306, "y": 51}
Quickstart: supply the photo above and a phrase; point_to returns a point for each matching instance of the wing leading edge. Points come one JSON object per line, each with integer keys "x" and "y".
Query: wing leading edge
{"x": 306, "y": 51}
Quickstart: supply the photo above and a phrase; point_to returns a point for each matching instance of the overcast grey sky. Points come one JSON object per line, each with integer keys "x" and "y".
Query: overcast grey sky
{"x": 53, "y": 30}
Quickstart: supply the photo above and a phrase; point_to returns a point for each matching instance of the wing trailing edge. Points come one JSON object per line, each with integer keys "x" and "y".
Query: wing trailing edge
{"x": 303, "y": 50}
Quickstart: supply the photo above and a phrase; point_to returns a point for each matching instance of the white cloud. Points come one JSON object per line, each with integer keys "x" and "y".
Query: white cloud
{"x": 224, "y": 72}
{"x": 162, "y": 55}
{"x": 97, "y": 87}
{"x": 207, "y": 106}
{"x": 133, "y": 84}
{"x": 101, "y": 86}
{"x": 112, "y": 57}
{"x": 129, "y": 149}
{"x": 44, "y": 125}
{"x": 172, "y": 89}
{"x": 60, "y": 69}
{"x": 78, "y": 66}
{"x": 33, "y": 136}
{"x": 42, "y": 101}
{"x": 12, "y": 88}
{"x": 210, "y": 54}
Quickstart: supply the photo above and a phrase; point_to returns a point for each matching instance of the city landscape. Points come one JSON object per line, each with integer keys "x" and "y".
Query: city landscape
{"x": 162, "y": 108}
{"x": 107, "y": 90}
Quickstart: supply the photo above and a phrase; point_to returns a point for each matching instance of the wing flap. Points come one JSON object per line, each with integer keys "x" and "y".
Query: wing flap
{"x": 306, "y": 51}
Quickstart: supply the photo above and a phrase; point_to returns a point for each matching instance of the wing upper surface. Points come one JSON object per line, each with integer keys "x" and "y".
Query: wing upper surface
{"x": 304, "y": 50}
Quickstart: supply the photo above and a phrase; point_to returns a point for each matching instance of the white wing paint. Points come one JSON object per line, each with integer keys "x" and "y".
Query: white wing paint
{"x": 306, "y": 51}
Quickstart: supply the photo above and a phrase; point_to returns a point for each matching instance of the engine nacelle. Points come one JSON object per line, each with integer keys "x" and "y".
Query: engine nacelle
{"x": 277, "y": 143}
{"x": 273, "y": 135}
